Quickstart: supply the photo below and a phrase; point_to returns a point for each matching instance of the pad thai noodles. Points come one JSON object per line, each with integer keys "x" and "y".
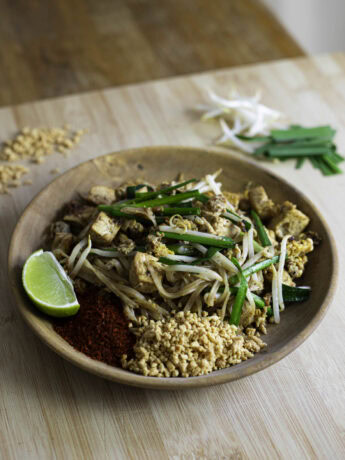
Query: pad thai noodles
{"x": 187, "y": 253}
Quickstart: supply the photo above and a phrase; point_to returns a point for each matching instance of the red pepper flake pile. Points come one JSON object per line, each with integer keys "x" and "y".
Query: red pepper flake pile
{"x": 99, "y": 329}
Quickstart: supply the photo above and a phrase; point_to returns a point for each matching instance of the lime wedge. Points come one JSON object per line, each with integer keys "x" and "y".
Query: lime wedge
{"x": 48, "y": 286}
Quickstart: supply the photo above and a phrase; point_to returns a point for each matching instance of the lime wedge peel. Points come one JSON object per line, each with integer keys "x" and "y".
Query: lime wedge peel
{"x": 48, "y": 286}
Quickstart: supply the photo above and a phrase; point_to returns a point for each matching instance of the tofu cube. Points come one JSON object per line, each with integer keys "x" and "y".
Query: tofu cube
{"x": 139, "y": 275}
{"x": 290, "y": 221}
{"x": 104, "y": 229}
{"x": 260, "y": 202}
{"x": 100, "y": 194}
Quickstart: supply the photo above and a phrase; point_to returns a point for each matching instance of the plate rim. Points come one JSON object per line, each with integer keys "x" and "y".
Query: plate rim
{"x": 119, "y": 375}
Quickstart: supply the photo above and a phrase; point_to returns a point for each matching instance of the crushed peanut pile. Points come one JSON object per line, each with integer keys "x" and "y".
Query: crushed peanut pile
{"x": 38, "y": 143}
{"x": 188, "y": 345}
{"x": 10, "y": 176}
{"x": 33, "y": 144}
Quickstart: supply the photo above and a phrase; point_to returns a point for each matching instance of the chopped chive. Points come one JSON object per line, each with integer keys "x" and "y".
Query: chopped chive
{"x": 116, "y": 212}
{"x": 131, "y": 189}
{"x": 184, "y": 211}
{"x": 236, "y": 219}
{"x": 295, "y": 294}
{"x": 254, "y": 268}
{"x": 151, "y": 203}
{"x": 300, "y": 143}
{"x": 314, "y": 162}
{"x": 259, "y": 302}
{"x": 265, "y": 241}
{"x": 253, "y": 138}
{"x": 202, "y": 198}
{"x": 240, "y": 295}
{"x": 167, "y": 261}
{"x": 281, "y": 135}
{"x": 211, "y": 251}
{"x": 292, "y": 151}
{"x": 336, "y": 157}
{"x": 139, "y": 197}
{"x": 220, "y": 242}
{"x": 163, "y": 191}
{"x": 257, "y": 246}
{"x": 166, "y": 200}
{"x": 263, "y": 148}
{"x": 290, "y": 294}
{"x": 324, "y": 168}
{"x": 331, "y": 164}
{"x": 299, "y": 163}
{"x": 232, "y": 219}
{"x": 317, "y": 142}
{"x": 247, "y": 224}
{"x": 322, "y": 165}
{"x": 185, "y": 205}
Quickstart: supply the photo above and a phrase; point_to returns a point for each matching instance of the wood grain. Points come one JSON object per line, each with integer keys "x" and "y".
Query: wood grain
{"x": 50, "y": 49}
{"x": 295, "y": 409}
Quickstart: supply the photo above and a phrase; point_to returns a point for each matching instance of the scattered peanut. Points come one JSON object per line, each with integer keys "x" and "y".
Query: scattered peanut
{"x": 33, "y": 144}
{"x": 10, "y": 176}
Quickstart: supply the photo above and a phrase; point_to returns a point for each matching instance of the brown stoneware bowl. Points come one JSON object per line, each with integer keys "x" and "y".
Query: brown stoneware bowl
{"x": 156, "y": 164}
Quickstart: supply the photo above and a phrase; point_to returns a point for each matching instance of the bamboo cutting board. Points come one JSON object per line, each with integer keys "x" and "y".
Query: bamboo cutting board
{"x": 295, "y": 409}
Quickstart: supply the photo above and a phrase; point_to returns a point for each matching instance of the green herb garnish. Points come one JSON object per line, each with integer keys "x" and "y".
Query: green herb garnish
{"x": 265, "y": 241}
{"x": 300, "y": 143}
{"x": 131, "y": 189}
{"x": 299, "y": 133}
{"x": 295, "y": 294}
{"x": 163, "y": 191}
{"x": 254, "y": 268}
{"x": 236, "y": 219}
{"x": 240, "y": 295}
{"x": 220, "y": 242}
{"x": 211, "y": 251}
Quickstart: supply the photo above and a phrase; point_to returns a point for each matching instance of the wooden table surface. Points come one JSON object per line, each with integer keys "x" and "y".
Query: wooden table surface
{"x": 295, "y": 409}
{"x": 50, "y": 49}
